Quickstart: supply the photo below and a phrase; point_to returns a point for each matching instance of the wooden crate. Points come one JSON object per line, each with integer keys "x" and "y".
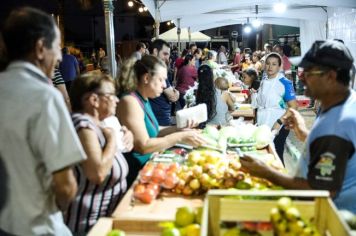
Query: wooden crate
{"x": 105, "y": 225}
{"x": 218, "y": 208}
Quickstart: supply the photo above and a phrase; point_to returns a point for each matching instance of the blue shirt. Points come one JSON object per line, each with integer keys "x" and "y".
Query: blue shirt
{"x": 329, "y": 162}
{"x": 68, "y": 67}
{"x": 162, "y": 107}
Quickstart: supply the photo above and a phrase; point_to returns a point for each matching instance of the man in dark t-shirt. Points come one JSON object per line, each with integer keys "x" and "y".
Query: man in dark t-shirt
{"x": 329, "y": 159}
{"x": 162, "y": 105}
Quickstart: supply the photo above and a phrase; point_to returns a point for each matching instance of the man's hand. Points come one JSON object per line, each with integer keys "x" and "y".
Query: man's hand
{"x": 172, "y": 94}
{"x": 254, "y": 167}
{"x": 293, "y": 120}
{"x": 127, "y": 139}
{"x": 64, "y": 186}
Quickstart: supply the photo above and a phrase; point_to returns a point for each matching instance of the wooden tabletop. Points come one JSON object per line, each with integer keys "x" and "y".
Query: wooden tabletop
{"x": 139, "y": 217}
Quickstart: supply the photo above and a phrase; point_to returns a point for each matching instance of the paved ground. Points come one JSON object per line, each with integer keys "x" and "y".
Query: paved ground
{"x": 294, "y": 147}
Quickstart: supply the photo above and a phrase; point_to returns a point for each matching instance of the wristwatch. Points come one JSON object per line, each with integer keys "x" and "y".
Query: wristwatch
{"x": 279, "y": 121}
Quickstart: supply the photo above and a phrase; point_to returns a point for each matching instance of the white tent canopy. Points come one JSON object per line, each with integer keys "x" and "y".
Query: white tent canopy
{"x": 172, "y": 36}
{"x": 198, "y": 12}
{"x": 310, "y": 16}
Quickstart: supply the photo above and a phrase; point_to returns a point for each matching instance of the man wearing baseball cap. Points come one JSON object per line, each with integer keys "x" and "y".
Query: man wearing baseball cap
{"x": 329, "y": 161}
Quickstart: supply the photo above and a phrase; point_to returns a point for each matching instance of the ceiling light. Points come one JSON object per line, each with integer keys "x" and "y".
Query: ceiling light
{"x": 247, "y": 29}
{"x": 130, "y": 3}
{"x": 140, "y": 9}
{"x": 280, "y": 7}
{"x": 168, "y": 23}
{"x": 145, "y": 8}
{"x": 256, "y": 23}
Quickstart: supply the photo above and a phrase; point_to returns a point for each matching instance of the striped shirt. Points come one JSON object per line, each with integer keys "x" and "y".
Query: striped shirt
{"x": 94, "y": 201}
{"x": 57, "y": 78}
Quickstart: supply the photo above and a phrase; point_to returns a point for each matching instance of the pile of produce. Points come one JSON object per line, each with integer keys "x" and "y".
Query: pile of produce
{"x": 203, "y": 170}
{"x": 187, "y": 223}
{"x": 246, "y": 135}
{"x": 152, "y": 177}
{"x": 286, "y": 220}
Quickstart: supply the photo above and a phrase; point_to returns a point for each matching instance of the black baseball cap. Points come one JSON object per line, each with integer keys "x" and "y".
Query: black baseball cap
{"x": 329, "y": 53}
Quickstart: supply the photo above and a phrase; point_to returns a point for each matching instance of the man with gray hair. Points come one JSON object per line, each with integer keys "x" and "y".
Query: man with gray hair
{"x": 38, "y": 143}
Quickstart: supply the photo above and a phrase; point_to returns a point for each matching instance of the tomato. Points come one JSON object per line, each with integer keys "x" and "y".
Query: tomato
{"x": 170, "y": 181}
{"x": 158, "y": 175}
{"x": 147, "y": 196}
{"x": 139, "y": 189}
{"x": 145, "y": 175}
{"x": 250, "y": 225}
{"x": 173, "y": 167}
{"x": 264, "y": 226}
{"x": 156, "y": 188}
{"x": 161, "y": 166}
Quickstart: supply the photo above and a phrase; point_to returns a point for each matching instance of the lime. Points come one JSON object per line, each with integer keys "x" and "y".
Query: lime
{"x": 116, "y": 232}
{"x": 193, "y": 230}
{"x": 170, "y": 232}
{"x": 199, "y": 213}
{"x": 184, "y": 216}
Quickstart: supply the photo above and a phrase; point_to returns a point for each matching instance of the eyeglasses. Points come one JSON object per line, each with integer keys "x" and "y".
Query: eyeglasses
{"x": 109, "y": 95}
{"x": 311, "y": 73}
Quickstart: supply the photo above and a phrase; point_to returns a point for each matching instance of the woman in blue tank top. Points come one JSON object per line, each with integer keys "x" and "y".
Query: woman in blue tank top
{"x": 139, "y": 81}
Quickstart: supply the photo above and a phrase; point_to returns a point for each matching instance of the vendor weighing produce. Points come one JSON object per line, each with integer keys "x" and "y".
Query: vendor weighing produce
{"x": 329, "y": 161}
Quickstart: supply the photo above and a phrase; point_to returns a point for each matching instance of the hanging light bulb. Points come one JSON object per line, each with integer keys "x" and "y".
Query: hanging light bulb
{"x": 140, "y": 9}
{"x": 247, "y": 29}
{"x": 256, "y": 23}
{"x": 130, "y": 3}
{"x": 145, "y": 9}
{"x": 280, "y": 7}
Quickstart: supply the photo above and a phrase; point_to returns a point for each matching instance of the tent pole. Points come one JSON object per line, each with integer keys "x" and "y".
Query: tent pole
{"x": 110, "y": 35}
{"x": 178, "y": 33}
{"x": 157, "y": 22}
{"x": 189, "y": 35}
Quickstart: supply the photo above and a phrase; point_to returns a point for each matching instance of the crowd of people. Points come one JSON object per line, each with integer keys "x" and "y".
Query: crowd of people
{"x": 65, "y": 165}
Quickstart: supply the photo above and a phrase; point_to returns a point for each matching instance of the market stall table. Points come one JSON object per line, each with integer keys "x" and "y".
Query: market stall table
{"x": 136, "y": 218}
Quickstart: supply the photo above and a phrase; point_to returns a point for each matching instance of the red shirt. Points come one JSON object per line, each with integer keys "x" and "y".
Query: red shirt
{"x": 186, "y": 77}
{"x": 237, "y": 60}
{"x": 286, "y": 63}
{"x": 179, "y": 62}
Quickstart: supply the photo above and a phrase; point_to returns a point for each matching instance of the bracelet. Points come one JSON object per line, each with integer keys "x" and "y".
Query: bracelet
{"x": 279, "y": 121}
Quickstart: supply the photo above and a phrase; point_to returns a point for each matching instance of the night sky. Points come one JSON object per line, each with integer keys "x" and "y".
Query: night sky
{"x": 86, "y": 26}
